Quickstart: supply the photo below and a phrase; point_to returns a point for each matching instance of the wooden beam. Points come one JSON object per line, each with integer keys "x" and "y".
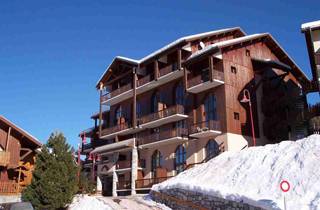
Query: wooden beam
{"x": 28, "y": 151}
{"x": 8, "y": 139}
{"x": 117, "y": 78}
{"x": 134, "y": 104}
{"x": 185, "y": 78}
{"x": 179, "y": 59}
{"x": 211, "y": 68}
{"x": 156, "y": 70}
{"x": 100, "y": 111}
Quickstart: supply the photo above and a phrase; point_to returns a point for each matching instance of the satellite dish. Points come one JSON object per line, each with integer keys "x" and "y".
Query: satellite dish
{"x": 202, "y": 45}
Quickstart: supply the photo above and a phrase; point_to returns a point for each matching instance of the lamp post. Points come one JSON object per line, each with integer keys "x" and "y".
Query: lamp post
{"x": 247, "y": 99}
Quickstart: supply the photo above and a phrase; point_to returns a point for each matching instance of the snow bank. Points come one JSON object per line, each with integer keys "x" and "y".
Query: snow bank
{"x": 253, "y": 175}
{"x": 85, "y": 202}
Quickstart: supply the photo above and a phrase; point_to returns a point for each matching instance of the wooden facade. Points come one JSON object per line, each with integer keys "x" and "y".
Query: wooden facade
{"x": 17, "y": 157}
{"x": 179, "y": 103}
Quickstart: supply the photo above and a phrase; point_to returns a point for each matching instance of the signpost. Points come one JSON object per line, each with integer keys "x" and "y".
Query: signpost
{"x": 285, "y": 187}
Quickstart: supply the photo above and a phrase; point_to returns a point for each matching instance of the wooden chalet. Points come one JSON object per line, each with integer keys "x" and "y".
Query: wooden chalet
{"x": 18, "y": 149}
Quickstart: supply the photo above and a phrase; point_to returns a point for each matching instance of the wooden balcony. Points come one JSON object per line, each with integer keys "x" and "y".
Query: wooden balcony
{"x": 4, "y": 158}
{"x": 118, "y": 95}
{"x": 87, "y": 147}
{"x": 9, "y": 188}
{"x": 203, "y": 129}
{"x": 163, "y": 137}
{"x": 202, "y": 82}
{"x": 121, "y": 129}
{"x": 166, "y": 74}
{"x": 168, "y": 115}
{"x": 148, "y": 183}
{"x": 126, "y": 164}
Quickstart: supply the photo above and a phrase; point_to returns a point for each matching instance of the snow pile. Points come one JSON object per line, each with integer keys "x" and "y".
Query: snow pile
{"x": 254, "y": 175}
{"x": 85, "y": 202}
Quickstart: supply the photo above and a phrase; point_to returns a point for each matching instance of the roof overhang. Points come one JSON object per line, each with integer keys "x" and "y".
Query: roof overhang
{"x": 266, "y": 37}
{"x": 121, "y": 145}
{"x": 179, "y": 42}
{"x": 24, "y": 133}
{"x": 310, "y": 25}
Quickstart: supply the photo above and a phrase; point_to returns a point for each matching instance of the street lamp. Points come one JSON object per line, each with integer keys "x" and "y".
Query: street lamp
{"x": 246, "y": 99}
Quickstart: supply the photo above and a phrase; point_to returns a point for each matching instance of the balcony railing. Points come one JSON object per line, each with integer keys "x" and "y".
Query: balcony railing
{"x": 4, "y": 158}
{"x": 147, "y": 183}
{"x": 121, "y": 164}
{"x": 86, "y": 146}
{"x": 117, "y": 92}
{"x": 205, "y": 78}
{"x": 167, "y": 69}
{"x": 10, "y": 187}
{"x": 124, "y": 185}
{"x": 205, "y": 126}
{"x": 144, "y": 80}
{"x": 175, "y": 109}
{"x": 117, "y": 128}
{"x": 162, "y": 135}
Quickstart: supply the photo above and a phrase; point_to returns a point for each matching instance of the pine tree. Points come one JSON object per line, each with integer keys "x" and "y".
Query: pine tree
{"x": 54, "y": 181}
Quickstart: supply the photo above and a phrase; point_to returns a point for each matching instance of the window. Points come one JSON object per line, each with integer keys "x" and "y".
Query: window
{"x": 233, "y": 69}
{"x": 180, "y": 158}
{"x": 156, "y": 161}
{"x": 179, "y": 94}
{"x": 236, "y": 116}
{"x": 212, "y": 149}
{"x": 210, "y": 107}
{"x": 247, "y": 52}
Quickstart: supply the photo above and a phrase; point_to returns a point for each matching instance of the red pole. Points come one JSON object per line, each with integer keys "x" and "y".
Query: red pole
{"x": 252, "y": 125}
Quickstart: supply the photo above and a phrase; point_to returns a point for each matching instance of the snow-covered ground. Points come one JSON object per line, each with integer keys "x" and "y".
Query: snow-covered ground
{"x": 85, "y": 202}
{"x": 254, "y": 175}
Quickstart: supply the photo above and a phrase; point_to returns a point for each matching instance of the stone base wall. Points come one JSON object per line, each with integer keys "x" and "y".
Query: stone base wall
{"x": 186, "y": 200}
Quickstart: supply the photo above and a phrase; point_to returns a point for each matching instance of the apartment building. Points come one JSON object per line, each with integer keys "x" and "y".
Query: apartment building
{"x": 189, "y": 101}
{"x": 18, "y": 150}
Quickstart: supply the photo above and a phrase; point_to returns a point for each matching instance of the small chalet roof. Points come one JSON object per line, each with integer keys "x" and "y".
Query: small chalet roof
{"x": 116, "y": 59}
{"x": 231, "y": 42}
{"x": 310, "y": 25}
{"x": 20, "y": 130}
{"x": 169, "y": 46}
{"x": 87, "y": 132}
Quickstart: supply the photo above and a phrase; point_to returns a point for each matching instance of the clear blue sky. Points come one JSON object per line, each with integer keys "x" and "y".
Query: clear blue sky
{"x": 53, "y": 52}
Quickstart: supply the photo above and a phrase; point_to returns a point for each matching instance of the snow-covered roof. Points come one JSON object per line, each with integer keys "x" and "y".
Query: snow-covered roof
{"x": 20, "y": 130}
{"x": 239, "y": 40}
{"x": 189, "y": 38}
{"x": 118, "y": 58}
{"x": 314, "y": 24}
{"x": 223, "y": 44}
{"x": 170, "y": 45}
